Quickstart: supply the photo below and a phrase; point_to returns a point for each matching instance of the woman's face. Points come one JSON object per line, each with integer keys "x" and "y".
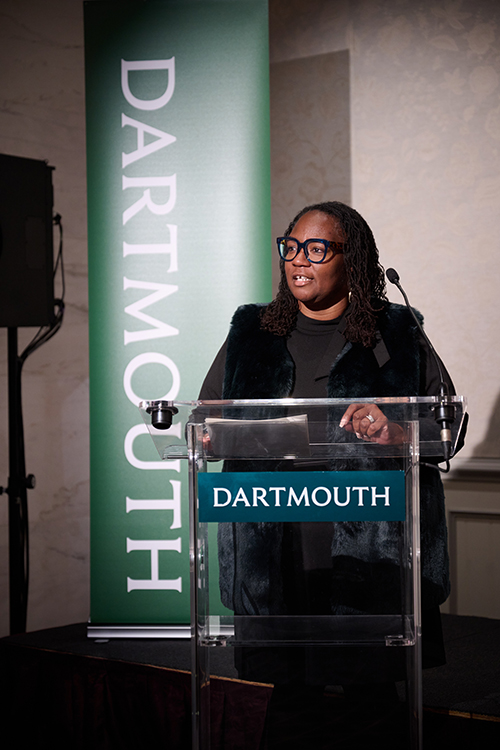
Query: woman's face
{"x": 320, "y": 288}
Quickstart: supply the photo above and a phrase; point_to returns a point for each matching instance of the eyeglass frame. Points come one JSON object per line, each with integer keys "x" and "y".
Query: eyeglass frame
{"x": 330, "y": 244}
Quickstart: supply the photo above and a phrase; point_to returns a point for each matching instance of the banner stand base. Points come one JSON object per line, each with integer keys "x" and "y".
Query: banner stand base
{"x": 138, "y": 631}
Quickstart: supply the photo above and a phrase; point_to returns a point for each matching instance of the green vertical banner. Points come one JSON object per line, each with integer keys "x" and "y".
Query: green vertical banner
{"x": 177, "y": 97}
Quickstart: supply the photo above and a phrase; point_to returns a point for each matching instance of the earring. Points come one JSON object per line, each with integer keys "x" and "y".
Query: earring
{"x": 349, "y": 296}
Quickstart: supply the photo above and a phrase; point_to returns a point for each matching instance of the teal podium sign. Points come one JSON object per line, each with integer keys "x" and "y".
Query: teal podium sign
{"x": 177, "y": 100}
{"x": 302, "y": 496}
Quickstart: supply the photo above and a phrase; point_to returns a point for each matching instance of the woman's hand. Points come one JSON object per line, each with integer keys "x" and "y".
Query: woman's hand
{"x": 369, "y": 423}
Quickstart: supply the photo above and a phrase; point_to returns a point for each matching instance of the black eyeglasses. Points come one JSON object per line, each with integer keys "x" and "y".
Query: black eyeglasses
{"x": 315, "y": 250}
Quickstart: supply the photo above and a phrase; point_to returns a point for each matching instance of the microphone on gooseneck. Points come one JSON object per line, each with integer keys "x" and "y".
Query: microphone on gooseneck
{"x": 444, "y": 413}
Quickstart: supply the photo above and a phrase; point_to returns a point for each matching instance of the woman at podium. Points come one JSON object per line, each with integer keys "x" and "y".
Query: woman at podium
{"x": 330, "y": 332}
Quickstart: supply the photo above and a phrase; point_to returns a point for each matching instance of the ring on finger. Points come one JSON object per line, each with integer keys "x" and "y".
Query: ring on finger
{"x": 370, "y": 418}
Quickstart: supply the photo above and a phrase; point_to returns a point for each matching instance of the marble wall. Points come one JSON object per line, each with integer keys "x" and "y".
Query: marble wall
{"x": 42, "y": 116}
{"x": 424, "y": 137}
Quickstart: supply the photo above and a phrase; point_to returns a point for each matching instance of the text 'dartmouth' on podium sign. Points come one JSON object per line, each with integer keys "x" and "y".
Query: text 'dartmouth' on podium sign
{"x": 302, "y": 496}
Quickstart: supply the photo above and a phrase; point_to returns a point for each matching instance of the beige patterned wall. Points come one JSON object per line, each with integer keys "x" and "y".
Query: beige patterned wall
{"x": 310, "y": 136}
{"x": 425, "y": 139}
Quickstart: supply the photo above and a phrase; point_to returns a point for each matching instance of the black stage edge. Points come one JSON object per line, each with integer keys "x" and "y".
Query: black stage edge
{"x": 62, "y": 690}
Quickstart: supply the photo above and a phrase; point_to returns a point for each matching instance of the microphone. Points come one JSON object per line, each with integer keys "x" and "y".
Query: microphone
{"x": 444, "y": 413}
{"x": 393, "y": 276}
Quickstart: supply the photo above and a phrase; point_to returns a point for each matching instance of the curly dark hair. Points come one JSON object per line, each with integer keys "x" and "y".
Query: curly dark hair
{"x": 365, "y": 278}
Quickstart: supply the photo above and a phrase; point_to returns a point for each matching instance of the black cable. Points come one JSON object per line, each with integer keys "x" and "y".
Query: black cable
{"x": 59, "y": 259}
{"x": 45, "y": 333}
{"x": 436, "y": 466}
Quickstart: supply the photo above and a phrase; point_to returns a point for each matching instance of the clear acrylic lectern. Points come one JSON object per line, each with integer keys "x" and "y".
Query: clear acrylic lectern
{"x": 281, "y": 480}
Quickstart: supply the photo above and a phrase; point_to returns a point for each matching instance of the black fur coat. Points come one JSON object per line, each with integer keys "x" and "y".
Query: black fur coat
{"x": 258, "y": 365}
